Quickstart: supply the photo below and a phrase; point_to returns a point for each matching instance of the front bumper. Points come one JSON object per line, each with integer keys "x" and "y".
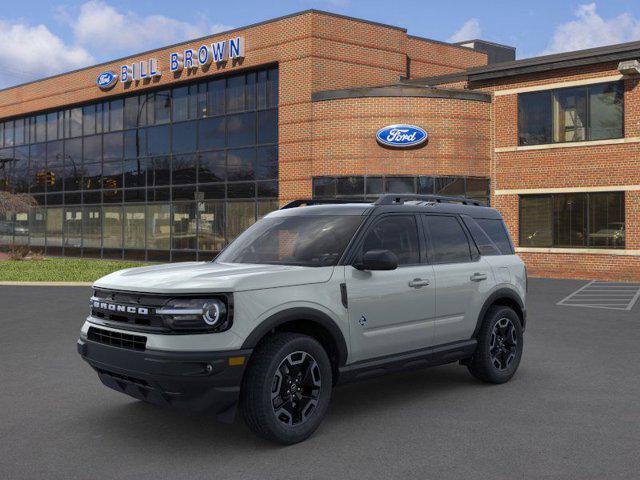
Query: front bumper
{"x": 195, "y": 381}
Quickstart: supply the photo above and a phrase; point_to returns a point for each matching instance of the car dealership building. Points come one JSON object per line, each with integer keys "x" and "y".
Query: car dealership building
{"x": 170, "y": 154}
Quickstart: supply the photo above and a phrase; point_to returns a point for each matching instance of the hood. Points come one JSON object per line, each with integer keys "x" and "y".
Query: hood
{"x": 208, "y": 277}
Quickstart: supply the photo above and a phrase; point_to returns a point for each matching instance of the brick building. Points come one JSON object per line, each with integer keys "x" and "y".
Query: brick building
{"x": 169, "y": 154}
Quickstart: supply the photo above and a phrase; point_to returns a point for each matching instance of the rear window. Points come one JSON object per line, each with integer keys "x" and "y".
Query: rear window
{"x": 497, "y": 232}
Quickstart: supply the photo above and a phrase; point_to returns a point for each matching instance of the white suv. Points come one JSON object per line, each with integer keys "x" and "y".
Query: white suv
{"x": 312, "y": 295}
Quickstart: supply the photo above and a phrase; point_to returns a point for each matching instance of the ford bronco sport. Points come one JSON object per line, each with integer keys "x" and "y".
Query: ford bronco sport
{"x": 313, "y": 295}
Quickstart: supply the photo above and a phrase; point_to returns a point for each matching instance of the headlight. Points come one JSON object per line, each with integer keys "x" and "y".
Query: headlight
{"x": 204, "y": 314}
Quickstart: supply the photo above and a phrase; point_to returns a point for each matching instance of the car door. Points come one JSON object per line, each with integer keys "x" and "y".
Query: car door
{"x": 391, "y": 311}
{"x": 462, "y": 277}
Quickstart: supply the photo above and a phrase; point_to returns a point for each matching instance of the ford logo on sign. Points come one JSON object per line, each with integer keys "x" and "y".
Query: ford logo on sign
{"x": 401, "y": 136}
{"x": 106, "y": 80}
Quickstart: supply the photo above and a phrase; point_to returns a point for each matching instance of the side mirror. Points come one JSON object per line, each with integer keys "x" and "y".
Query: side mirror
{"x": 378, "y": 260}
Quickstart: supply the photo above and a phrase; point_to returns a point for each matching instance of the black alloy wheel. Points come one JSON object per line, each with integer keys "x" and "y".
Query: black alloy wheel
{"x": 287, "y": 387}
{"x": 500, "y": 346}
{"x": 296, "y": 388}
{"x": 504, "y": 344}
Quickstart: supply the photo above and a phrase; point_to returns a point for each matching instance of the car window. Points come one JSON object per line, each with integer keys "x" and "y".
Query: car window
{"x": 304, "y": 240}
{"x": 486, "y": 246}
{"x": 497, "y": 232}
{"x": 448, "y": 241}
{"x": 397, "y": 233}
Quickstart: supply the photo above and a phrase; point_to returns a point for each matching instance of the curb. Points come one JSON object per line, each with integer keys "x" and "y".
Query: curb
{"x": 48, "y": 284}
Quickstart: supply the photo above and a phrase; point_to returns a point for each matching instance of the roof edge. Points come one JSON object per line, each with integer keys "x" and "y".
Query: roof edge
{"x": 555, "y": 61}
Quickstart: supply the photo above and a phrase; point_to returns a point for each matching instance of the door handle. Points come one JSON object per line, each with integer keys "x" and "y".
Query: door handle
{"x": 478, "y": 277}
{"x": 418, "y": 283}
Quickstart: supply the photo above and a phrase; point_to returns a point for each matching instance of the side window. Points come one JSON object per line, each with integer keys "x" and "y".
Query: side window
{"x": 497, "y": 232}
{"x": 398, "y": 234}
{"x": 449, "y": 243}
{"x": 486, "y": 246}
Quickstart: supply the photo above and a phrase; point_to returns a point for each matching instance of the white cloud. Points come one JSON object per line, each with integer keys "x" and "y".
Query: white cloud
{"x": 97, "y": 32}
{"x": 107, "y": 31}
{"x": 591, "y": 30}
{"x": 29, "y": 52}
{"x": 469, "y": 31}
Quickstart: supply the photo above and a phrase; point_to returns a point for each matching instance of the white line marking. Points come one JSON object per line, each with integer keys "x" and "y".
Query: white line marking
{"x": 611, "y": 296}
{"x": 633, "y": 300}
{"x": 579, "y": 290}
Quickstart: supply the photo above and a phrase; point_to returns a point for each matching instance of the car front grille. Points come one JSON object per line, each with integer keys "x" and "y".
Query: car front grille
{"x": 117, "y": 339}
{"x": 132, "y": 304}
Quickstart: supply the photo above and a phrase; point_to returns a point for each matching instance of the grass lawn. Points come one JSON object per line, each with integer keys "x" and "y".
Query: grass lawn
{"x": 60, "y": 269}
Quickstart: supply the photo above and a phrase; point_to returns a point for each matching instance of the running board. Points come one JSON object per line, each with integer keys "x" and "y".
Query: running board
{"x": 427, "y": 357}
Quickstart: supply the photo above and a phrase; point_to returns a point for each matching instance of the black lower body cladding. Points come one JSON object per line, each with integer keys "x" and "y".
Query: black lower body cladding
{"x": 194, "y": 381}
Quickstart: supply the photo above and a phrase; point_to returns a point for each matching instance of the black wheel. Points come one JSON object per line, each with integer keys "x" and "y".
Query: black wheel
{"x": 499, "y": 350}
{"x": 287, "y": 387}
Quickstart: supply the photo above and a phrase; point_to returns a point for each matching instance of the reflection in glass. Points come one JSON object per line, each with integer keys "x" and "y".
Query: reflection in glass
{"x": 240, "y": 216}
{"x": 134, "y": 225}
{"x": 158, "y": 226}
{"x": 92, "y": 227}
{"x": 184, "y": 226}
{"x": 54, "y": 227}
{"x": 37, "y": 226}
{"x": 241, "y": 164}
{"x": 211, "y": 226}
{"x": 73, "y": 227}
{"x": 112, "y": 227}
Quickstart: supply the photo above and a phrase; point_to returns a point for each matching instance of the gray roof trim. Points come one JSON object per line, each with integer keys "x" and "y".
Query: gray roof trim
{"x": 496, "y": 44}
{"x": 436, "y": 79}
{"x": 226, "y": 32}
{"x": 556, "y": 61}
{"x": 400, "y": 91}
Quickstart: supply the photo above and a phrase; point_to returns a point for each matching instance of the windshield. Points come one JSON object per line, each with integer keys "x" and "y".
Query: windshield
{"x": 305, "y": 240}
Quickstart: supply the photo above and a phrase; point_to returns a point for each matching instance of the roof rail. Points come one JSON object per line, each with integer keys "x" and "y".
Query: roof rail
{"x": 390, "y": 199}
{"x": 309, "y": 202}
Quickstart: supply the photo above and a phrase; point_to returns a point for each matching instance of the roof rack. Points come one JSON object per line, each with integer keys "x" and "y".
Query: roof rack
{"x": 390, "y": 199}
{"x": 309, "y": 202}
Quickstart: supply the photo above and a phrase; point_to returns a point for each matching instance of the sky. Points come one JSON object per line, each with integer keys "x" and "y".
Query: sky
{"x": 39, "y": 38}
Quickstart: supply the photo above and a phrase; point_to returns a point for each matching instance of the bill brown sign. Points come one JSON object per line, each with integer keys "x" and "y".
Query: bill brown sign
{"x": 189, "y": 59}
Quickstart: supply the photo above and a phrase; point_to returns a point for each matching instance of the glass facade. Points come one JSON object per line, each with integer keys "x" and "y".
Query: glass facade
{"x": 171, "y": 174}
{"x": 573, "y": 220}
{"x": 372, "y": 186}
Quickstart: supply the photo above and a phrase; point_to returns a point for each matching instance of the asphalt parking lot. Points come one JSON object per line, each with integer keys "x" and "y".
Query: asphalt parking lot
{"x": 572, "y": 411}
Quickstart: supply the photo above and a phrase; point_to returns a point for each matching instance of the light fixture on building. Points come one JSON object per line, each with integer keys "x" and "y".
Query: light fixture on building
{"x": 629, "y": 67}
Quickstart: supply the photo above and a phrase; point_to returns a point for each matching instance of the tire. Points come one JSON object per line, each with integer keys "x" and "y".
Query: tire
{"x": 287, "y": 388}
{"x": 500, "y": 343}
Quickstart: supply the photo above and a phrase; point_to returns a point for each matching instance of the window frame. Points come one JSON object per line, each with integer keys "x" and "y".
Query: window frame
{"x": 552, "y": 92}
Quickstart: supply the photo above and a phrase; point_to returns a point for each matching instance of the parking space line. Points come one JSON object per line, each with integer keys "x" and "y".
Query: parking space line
{"x": 597, "y": 294}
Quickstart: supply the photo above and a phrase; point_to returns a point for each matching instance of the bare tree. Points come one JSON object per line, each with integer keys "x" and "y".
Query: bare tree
{"x": 16, "y": 202}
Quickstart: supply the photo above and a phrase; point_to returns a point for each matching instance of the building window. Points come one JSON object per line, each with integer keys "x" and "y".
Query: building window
{"x": 370, "y": 187}
{"x": 577, "y": 114}
{"x": 574, "y": 220}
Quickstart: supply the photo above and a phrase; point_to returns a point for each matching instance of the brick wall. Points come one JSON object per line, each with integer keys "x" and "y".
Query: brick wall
{"x": 429, "y": 58}
{"x": 568, "y": 167}
{"x": 344, "y": 137}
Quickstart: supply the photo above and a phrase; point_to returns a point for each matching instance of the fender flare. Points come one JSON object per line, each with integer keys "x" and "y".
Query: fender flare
{"x": 497, "y": 295}
{"x": 296, "y": 314}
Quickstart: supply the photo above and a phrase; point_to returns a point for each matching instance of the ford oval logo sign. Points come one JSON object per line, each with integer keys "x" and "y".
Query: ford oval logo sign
{"x": 401, "y": 136}
{"x": 106, "y": 80}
